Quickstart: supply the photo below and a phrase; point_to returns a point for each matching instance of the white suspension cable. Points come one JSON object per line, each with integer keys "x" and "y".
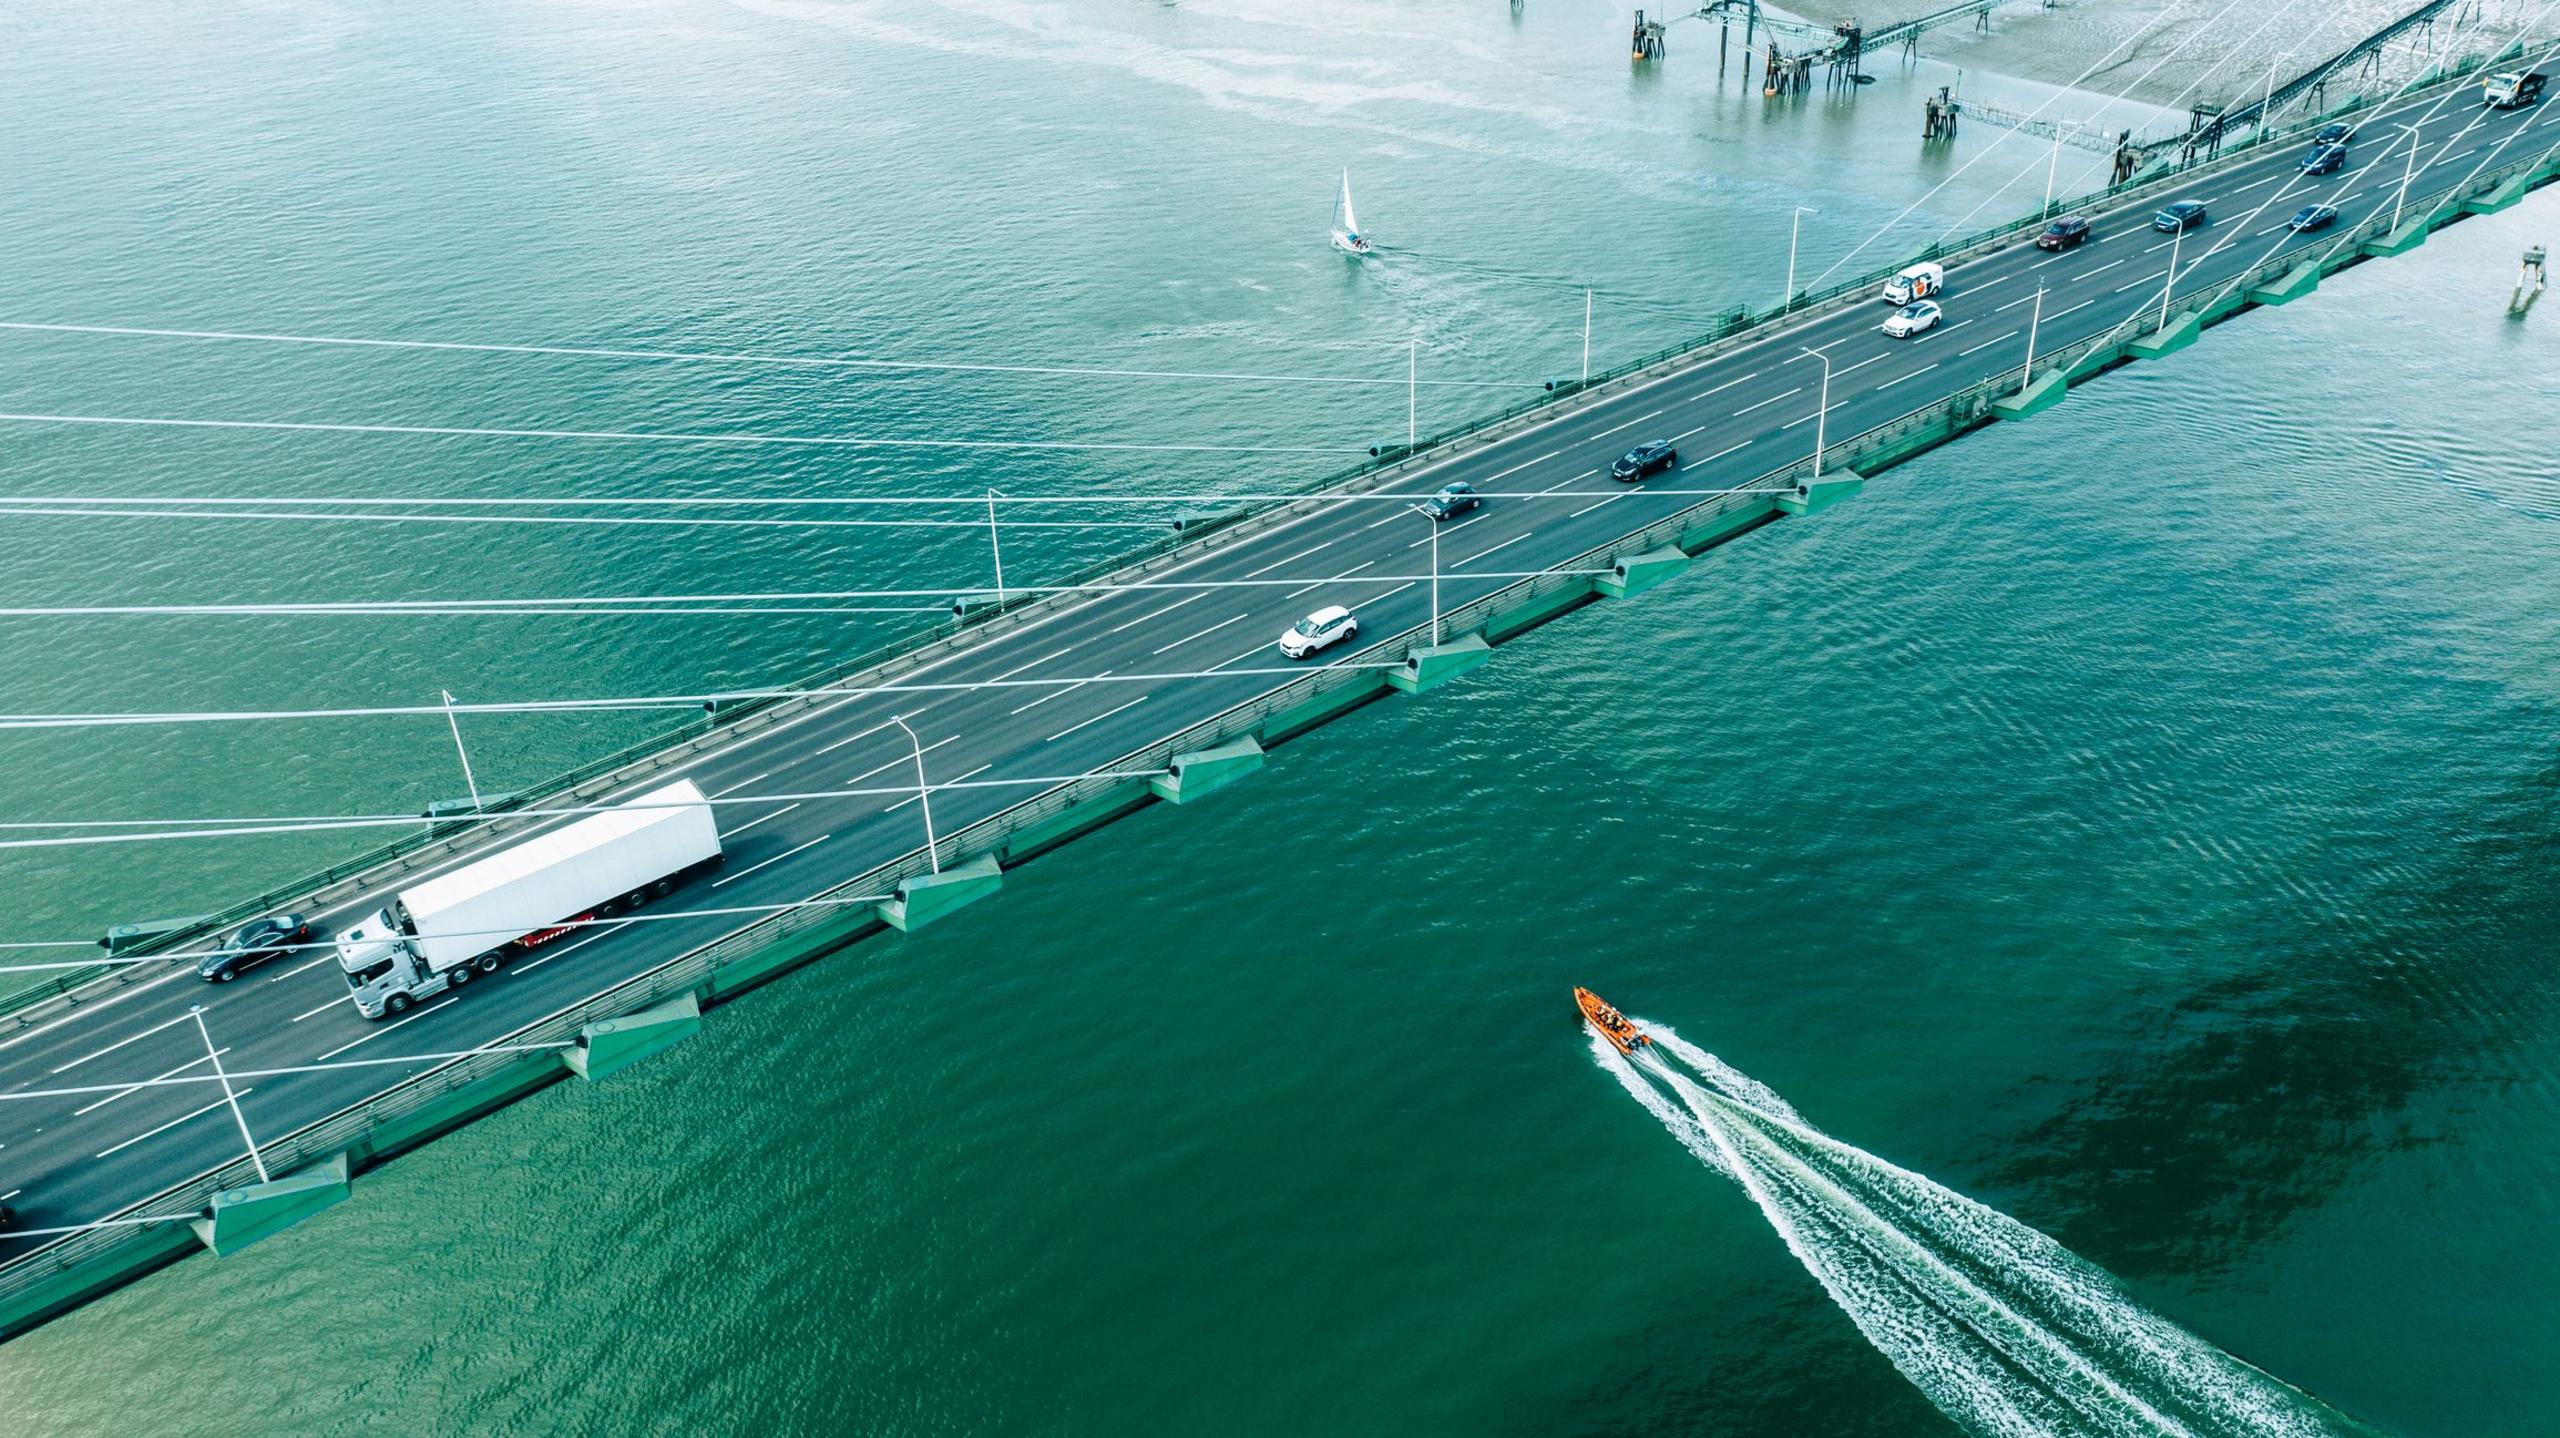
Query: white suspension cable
{"x": 689, "y": 521}
{"x": 138, "y": 832}
{"x": 735, "y": 357}
{"x": 668, "y": 437}
{"x": 176, "y": 1080}
{"x": 616, "y": 921}
{"x": 972, "y": 501}
{"x": 786, "y": 596}
{"x": 676, "y": 701}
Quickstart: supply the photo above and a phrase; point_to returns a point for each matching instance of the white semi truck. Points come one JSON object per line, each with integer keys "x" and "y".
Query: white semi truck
{"x": 438, "y": 934}
{"x": 2512, "y": 90}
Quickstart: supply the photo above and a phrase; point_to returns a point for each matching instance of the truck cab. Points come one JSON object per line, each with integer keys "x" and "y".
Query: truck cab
{"x": 2512, "y": 90}
{"x": 382, "y": 970}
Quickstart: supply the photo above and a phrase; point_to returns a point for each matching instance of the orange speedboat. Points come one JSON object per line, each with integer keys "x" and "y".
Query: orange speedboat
{"x": 1612, "y": 1024}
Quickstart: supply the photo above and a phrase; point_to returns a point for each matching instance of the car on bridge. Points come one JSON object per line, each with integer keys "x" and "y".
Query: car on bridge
{"x": 2324, "y": 160}
{"x": 1910, "y": 320}
{"x": 1455, "y": 498}
{"x": 2337, "y": 132}
{"x": 2179, "y": 215}
{"x": 2063, "y": 233}
{"x": 1321, "y": 630}
{"x": 1644, "y": 459}
{"x": 1917, "y": 282}
{"x": 2312, "y": 217}
{"x": 251, "y": 944}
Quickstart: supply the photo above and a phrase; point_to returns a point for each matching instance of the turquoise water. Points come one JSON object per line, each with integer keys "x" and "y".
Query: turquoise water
{"x": 2139, "y": 820}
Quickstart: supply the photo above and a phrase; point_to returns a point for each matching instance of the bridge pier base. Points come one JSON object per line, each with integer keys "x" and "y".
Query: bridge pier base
{"x": 2301, "y": 280}
{"x": 1819, "y": 495}
{"x": 1639, "y": 572}
{"x": 608, "y": 1047}
{"x": 1437, "y": 664}
{"x": 928, "y": 897}
{"x": 2177, "y": 334}
{"x": 241, "y": 1216}
{"x": 2515, "y": 188}
{"x": 2411, "y": 234}
{"x": 1203, "y": 772}
{"x": 2041, "y": 394}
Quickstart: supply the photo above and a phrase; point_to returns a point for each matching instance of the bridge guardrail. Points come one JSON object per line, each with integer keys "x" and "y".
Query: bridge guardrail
{"x": 691, "y": 971}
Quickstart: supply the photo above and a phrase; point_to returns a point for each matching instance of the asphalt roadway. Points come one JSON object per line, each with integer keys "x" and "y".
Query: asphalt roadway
{"x": 1070, "y": 693}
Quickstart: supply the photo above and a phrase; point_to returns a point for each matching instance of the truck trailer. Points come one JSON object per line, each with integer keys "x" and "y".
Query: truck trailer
{"x": 439, "y": 933}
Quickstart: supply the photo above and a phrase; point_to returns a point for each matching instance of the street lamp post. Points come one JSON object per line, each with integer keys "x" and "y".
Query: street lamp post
{"x": 1586, "y": 336}
{"x": 1412, "y": 358}
{"x": 456, "y": 724}
{"x": 1821, "y": 413}
{"x": 1794, "y": 226}
{"x": 924, "y": 798}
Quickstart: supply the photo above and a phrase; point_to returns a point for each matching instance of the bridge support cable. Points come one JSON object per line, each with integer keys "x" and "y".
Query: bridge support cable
{"x": 748, "y": 358}
{"x": 2135, "y": 37}
{"x": 668, "y": 437}
{"x": 129, "y": 831}
{"x": 617, "y": 921}
{"x": 399, "y": 606}
{"x": 721, "y": 501}
{"x": 2031, "y": 122}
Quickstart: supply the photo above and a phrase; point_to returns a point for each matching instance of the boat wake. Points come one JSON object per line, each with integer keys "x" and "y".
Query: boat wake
{"x": 2005, "y": 1330}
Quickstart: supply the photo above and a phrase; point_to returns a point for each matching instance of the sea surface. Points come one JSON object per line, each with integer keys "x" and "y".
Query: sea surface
{"x": 2141, "y": 820}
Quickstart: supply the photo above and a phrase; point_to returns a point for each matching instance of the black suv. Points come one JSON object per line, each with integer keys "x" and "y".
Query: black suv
{"x": 2063, "y": 233}
{"x": 2183, "y": 215}
{"x": 1644, "y": 459}
{"x": 1455, "y": 498}
{"x": 256, "y": 942}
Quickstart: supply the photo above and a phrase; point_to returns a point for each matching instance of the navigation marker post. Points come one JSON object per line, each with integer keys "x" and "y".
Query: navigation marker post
{"x": 1793, "y": 227}
{"x": 456, "y": 724}
{"x": 924, "y": 797}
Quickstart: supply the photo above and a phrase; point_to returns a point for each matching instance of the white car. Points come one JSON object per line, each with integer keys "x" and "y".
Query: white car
{"x": 1321, "y": 630}
{"x": 1912, "y": 319}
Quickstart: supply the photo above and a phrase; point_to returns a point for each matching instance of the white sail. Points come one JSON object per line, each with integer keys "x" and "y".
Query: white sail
{"x": 1348, "y": 222}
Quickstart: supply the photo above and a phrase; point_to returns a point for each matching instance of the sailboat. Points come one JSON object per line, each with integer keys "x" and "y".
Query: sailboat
{"x": 1346, "y": 225}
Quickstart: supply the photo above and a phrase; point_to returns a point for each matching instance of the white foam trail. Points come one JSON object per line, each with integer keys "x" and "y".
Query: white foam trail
{"x": 2009, "y": 1333}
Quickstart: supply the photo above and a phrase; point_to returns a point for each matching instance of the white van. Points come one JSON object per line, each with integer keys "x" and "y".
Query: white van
{"x": 1919, "y": 282}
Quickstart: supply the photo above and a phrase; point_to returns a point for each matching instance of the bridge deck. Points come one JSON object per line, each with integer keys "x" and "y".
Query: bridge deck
{"x": 1740, "y": 414}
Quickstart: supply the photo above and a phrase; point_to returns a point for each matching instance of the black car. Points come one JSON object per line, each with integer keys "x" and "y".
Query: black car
{"x": 2312, "y": 217}
{"x": 2334, "y": 134}
{"x": 1644, "y": 459}
{"x": 2324, "y": 160}
{"x": 2063, "y": 233}
{"x": 2182, "y": 215}
{"x": 1455, "y": 498}
{"x": 256, "y": 942}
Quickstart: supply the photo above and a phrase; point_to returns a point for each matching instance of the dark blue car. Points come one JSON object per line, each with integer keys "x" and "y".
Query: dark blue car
{"x": 2312, "y": 217}
{"x": 2324, "y": 160}
{"x": 1642, "y": 460}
